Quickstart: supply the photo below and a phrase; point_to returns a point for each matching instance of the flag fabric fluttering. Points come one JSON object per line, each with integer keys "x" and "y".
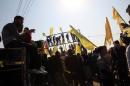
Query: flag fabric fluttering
{"x": 51, "y": 31}
{"x": 55, "y": 49}
{"x": 117, "y": 17}
{"x": 45, "y": 48}
{"x": 108, "y": 37}
{"x": 127, "y": 30}
{"x": 83, "y": 40}
{"x": 77, "y": 49}
{"x": 121, "y": 43}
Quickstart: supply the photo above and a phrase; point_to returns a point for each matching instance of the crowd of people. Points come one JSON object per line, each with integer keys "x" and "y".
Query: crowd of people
{"x": 109, "y": 67}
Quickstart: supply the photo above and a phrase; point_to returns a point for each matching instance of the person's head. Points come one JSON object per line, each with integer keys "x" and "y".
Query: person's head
{"x": 18, "y": 21}
{"x": 57, "y": 54}
{"x": 84, "y": 52}
{"x": 116, "y": 43}
{"x": 70, "y": 52}
{"x": 102, "y": 50}
{"x": 78, "y": 54}
{"x": 128, "y": 10}
{"x": 96, "y": 50}
{"x": 26, "y": 29}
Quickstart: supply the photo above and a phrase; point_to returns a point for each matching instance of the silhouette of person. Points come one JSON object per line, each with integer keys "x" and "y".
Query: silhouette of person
{"x": 12, "y": 39}
{"x": 128, "y": 10}
{"x": 73, "y": 65}
{"x": 10, "y": 32}
{"x": 124, "y": 25}
{"x": 0, "y": 38}
{"x": 103, "y": 62}
{"x": 128, "y": 47}
{"x": 27, "y": 34}
{"x": 119, "y": 63}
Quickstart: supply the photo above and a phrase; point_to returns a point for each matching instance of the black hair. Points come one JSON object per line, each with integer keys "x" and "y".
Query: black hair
{"x": 116, "y": 42}
{"x": 26, "y": 28}
{"x": 18, "y": 17}
{"x": 128, "y": 8}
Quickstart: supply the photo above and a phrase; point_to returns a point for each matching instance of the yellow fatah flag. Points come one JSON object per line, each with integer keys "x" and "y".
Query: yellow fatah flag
{"x": 118, "y": 18}
{"x": 77, "y": 49}
{"x": 84, "y": 41}
{"x": 108, "y": 37}
{"x": 51, "y": 31}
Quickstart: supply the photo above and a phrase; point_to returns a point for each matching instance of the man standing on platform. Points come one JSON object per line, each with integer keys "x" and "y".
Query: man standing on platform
{"x": 13, "y": 39}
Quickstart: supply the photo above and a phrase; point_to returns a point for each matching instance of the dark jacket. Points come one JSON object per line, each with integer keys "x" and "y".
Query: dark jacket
{"x": 9, "y": 33}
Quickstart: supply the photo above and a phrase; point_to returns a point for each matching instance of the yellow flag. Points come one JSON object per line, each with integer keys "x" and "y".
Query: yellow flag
{"x": 127, "y": 30}
{"x": 51, "y": 31}
{"x": 44, "y": 48}
{"x": 84, "y": 41}
{"x": 108, "y": 37}
{"x": 118, "y": 18}
{"x": 77, "y": 49}
{"x": 54, "y": 50}
{"x": 121, "y": 43}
